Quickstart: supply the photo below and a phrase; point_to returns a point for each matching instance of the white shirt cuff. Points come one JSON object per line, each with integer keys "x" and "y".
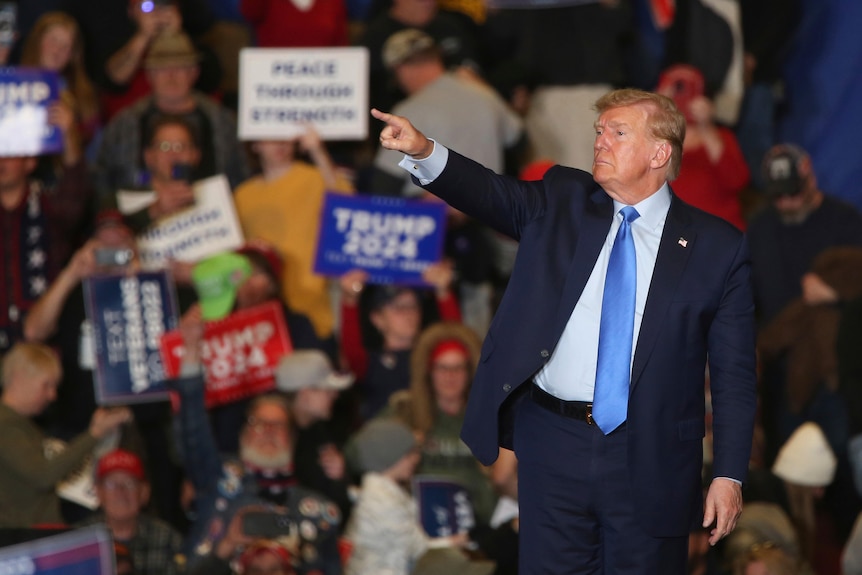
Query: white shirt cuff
{"x": 427, "y": 169}
{"x": 737, "y": 481}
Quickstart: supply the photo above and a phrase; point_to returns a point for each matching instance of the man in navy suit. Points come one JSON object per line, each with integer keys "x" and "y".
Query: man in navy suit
{"x": 597, "y": 498}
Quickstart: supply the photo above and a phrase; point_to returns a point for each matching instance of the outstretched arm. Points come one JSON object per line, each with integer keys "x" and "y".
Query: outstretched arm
{"x": 41, "y": 322}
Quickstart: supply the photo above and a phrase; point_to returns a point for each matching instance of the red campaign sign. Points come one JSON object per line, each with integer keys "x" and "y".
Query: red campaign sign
{"x": 240, "y": 353}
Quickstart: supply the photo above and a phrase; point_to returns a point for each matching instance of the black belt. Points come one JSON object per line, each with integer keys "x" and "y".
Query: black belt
{"x": 581, "y": 410}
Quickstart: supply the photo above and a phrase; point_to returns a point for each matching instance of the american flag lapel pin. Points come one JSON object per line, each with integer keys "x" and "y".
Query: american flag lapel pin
{"x": 683, "y": 242}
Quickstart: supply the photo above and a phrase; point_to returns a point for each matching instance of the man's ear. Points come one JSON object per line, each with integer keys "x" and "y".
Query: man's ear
{"x": 376, "y": 320}
{"x": 661, "y": 156}
{"x": 149, "y": 155}
{"x": 145, "y": 494}
{"x": 196, "y": 155}
{"x": 30, "y": 164}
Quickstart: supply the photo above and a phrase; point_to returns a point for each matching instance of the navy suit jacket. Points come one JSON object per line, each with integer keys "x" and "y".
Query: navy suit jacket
{"x": 699, "y": 305}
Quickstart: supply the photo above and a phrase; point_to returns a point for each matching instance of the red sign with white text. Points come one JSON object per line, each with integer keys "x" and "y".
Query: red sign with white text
{"x": 239, "y": 353}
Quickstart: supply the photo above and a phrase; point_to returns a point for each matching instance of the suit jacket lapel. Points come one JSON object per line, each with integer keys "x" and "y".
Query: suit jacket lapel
{"x": 677, "y": 243}
{"x": 595, "y": 223}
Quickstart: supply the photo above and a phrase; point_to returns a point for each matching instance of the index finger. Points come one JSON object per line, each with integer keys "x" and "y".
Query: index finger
{"x": 390, "y": 119}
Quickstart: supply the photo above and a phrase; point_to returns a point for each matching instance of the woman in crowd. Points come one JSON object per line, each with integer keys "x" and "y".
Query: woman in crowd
{"x": 442, "y": 365}
{"x": 714, "y": 172}
{"x": 55, "y": 44}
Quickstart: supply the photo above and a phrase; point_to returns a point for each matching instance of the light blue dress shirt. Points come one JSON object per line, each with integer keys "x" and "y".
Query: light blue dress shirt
{"x": 570, "y": 373}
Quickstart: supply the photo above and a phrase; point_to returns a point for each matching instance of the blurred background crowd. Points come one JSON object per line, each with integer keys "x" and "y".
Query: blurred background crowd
{"x": 315, "y": 477}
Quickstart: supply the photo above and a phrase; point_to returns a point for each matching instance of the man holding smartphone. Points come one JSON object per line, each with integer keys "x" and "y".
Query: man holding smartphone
{"x": 171, "y": 157}
{"x": 172, "y": 66}
{"x": 261, "y": 478}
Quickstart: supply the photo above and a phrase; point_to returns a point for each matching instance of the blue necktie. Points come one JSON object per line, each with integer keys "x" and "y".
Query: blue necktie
{"x": 613, "y": 373}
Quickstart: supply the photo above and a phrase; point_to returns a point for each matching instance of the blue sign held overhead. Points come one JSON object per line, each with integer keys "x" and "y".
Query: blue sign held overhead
{"x": 26, "y": 94}
{"x": 393, "y": 239}
{"x": 129, "y": 315}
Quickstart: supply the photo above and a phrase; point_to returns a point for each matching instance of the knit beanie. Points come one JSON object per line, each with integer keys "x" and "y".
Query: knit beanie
{"x": 381, "y": 443}
{"x": 806, "y": 458}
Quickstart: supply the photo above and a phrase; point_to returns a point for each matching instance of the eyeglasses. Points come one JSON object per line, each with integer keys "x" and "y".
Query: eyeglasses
{"x": 453, "y": 368}
{"x": 116, "y": 484}
{"x": 175, "y": 147}
{"x": 270, "y": 570}
{"x": 265, "y": 426}
{"x": 403, "y": 307}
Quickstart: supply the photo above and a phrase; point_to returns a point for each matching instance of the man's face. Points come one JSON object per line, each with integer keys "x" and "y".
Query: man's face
{"x": 757, "y": 568}
{"x": 256, "y": 289}
{"x": 172, "y": 83}
{"x": 40, "y": 389}
{"x": 266, "y": 439}
{"x": 623, "y": 151}
{"x": 795, "y": 209}
{"x": 122, "y": 495}
{"x": 14, "y": 171}
{"x": 317, "y": 402}
{"x": 399, "y": 318}
{"x": 171, "y": 145}
{"x": 267, "y": 564}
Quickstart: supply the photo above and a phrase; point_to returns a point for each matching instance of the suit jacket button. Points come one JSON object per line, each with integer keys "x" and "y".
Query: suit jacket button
{"x": 545, "y": 353}
{"x": 507, "y": 388}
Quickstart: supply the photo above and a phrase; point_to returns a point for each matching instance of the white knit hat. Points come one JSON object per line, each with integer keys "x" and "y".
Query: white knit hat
{"x": 806, "y": 458}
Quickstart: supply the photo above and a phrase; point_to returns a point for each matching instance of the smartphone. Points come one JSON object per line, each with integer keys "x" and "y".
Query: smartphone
{"x": 113, "y": 257}
{"x": 148, "y": 6}
{"x": 182, "y": 172}
{"x": 8, "y": 23}
{"x": 267, "y": 524}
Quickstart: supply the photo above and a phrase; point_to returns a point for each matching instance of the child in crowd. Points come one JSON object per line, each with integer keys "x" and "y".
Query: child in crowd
{"x": 28, "y": 497}
{"x": 384, "y": 529}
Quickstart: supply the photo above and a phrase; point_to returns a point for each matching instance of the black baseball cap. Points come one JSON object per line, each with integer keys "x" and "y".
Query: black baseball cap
{"x": 781, "y": 170}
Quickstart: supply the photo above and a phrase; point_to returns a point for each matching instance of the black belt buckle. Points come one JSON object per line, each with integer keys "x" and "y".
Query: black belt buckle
{"x": 590, "y": 414}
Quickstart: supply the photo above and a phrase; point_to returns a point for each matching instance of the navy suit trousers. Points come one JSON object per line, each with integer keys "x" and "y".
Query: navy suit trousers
{"x": 576, "y": 508}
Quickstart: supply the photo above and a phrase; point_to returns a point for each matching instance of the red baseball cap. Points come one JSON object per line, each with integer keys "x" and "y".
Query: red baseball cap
{"x": 262, "y": 547}
{"x": 264, "y": 252}
{"x": 120, "y": 460}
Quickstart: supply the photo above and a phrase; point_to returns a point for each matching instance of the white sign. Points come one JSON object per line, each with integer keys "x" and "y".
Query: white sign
{"x": 282, "y": 90}
{"x": 207, "y": 228}
{"x": 78, "y": 487}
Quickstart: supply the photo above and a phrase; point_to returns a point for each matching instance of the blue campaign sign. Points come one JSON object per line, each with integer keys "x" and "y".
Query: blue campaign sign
{"x": 444, "y": 506}
{"x": 89, "y": 551}
{"x": 535, "y": 4}
{"x": 129, "y": 315}
{"x": 25, "y": 96}
{"x": 393, "y": 239}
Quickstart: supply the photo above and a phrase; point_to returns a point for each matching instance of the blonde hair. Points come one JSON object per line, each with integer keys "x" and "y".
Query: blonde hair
{"x": 28, "y": 359}
{"x": 79, "y": 85}
{"x": 665, "y": 120}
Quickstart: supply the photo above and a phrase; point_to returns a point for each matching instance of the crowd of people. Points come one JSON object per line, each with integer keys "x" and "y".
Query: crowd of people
{"x": 315, "y": 476}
